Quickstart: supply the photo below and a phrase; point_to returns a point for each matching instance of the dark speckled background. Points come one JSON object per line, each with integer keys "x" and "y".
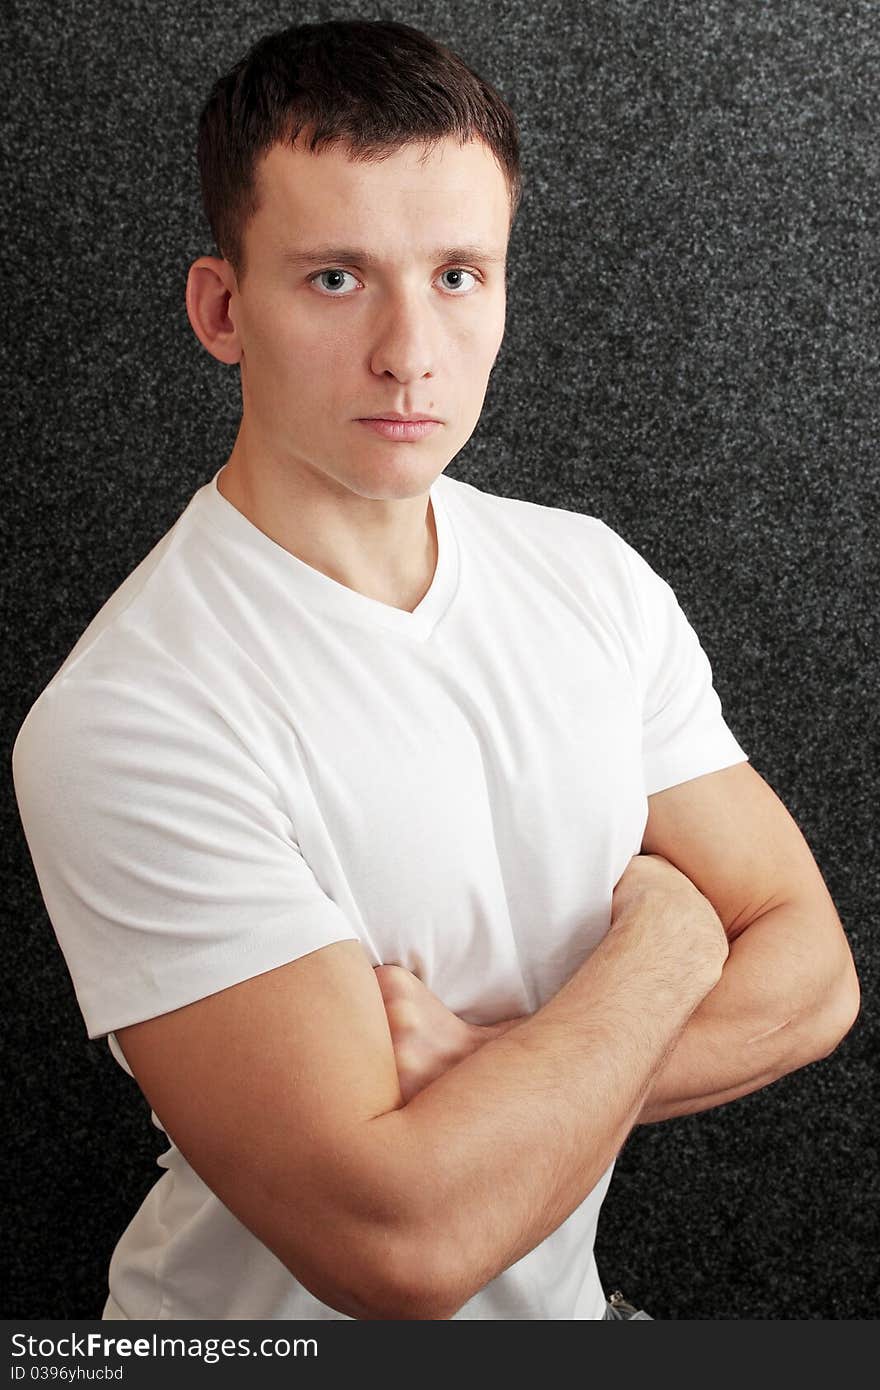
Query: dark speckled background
{"x": 691, "y": 354}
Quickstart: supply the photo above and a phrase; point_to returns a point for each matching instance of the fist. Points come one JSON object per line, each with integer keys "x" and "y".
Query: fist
{"x": 654, "y": 898}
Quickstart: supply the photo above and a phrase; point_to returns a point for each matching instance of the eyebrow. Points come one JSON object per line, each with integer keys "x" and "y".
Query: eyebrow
{"x": 347, "y": 255}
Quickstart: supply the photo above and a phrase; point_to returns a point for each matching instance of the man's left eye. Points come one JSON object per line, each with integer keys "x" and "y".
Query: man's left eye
{"x": 458, "y": 270}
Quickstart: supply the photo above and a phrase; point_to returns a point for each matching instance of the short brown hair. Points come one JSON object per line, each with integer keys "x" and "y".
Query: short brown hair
{"x": 373, "y": 85}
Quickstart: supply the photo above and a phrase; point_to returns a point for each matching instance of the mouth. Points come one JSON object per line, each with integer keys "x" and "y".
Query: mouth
{"x": 403, "y": 429}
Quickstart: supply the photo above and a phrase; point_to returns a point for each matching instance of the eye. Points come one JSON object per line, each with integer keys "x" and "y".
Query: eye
{"x": 337, "y": 276}
{"x": 330, "y": 293}
{"x": 460, "y": 270}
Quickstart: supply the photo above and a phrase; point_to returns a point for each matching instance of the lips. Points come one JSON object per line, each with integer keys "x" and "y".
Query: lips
{"x": 406, "y": 431}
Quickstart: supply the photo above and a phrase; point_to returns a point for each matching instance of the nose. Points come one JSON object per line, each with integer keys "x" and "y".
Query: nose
{"x": 404, "y": 346}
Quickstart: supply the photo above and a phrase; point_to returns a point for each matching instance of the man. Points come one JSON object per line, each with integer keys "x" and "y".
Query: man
{"x": 391, "y": 829}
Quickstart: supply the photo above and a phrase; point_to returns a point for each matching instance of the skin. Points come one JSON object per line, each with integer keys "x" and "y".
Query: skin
{"x": 427, "y": 1037}
{"x": 318, "y": 350}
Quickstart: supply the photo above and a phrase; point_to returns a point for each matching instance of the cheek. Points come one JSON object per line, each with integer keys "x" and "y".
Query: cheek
{"x": 478, "y": 339}
{"x": 310, "y": 363}
{"x": 322, "y": 344}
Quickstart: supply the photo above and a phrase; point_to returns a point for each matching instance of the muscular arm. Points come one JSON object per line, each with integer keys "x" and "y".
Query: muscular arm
{"x": 789, "y": 991}
{"x": 282, "y": 1094}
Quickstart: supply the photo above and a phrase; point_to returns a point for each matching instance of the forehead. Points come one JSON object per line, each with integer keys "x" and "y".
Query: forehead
{"x": 449, "y": 192}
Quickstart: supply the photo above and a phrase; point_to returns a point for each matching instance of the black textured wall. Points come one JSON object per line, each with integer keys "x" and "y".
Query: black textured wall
{"x": 691, "y": 354}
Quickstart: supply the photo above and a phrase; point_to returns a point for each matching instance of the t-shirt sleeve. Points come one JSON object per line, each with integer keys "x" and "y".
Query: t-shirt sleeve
{"x": 684, "y": 732}
{"x": 164, "y": 852}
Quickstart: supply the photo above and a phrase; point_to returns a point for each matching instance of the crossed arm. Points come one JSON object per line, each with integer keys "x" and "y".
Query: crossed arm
{"x": 788, "y": 993}
{"x": 340, "y": 1173}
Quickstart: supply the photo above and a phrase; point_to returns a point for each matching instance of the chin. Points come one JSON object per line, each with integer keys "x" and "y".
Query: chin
{"x": 409, "y": 478}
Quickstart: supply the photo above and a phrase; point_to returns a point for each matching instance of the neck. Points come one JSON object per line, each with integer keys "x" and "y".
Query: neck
{"x": 385, "y": 549}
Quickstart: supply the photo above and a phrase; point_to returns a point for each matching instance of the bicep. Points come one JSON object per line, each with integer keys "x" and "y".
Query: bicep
{"x": 266, "y": 1088}
{"x": 732, "y": 836}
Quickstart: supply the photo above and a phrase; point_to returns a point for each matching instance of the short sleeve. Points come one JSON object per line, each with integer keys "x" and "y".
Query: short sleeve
{"x": 684, "y": 732}
{"x": 164, "y": 853}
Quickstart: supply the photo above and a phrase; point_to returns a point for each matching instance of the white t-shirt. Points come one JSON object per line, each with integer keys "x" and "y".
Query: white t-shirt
{"x": 242, "y": 760}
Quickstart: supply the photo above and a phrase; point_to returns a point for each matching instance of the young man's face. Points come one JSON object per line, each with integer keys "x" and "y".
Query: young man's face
{"x": 335, "y": 339}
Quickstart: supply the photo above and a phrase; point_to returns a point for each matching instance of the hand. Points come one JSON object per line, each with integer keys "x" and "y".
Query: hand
{"x": 674, "y": 918}
{"x": 427, "y": 1037}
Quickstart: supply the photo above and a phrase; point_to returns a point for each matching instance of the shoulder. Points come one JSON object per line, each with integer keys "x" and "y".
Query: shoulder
{"x": 145, "y": 596}
{"x": 137, "y": 662}
{"x": 130, "y": 729}
{"x": 587, "y": 538}
{"x": 574, "y": 552}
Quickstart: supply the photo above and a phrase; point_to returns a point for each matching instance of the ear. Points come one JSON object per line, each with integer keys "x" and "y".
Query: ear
{"x": 210, "y": 285}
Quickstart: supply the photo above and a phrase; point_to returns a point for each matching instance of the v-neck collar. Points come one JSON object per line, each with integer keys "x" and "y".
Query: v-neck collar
{"x": 319, "y": 591}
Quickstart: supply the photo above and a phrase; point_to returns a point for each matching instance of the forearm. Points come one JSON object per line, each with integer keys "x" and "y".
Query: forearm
{"x": 510, "y": 1140}
{"x": 771, "y": 1012}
